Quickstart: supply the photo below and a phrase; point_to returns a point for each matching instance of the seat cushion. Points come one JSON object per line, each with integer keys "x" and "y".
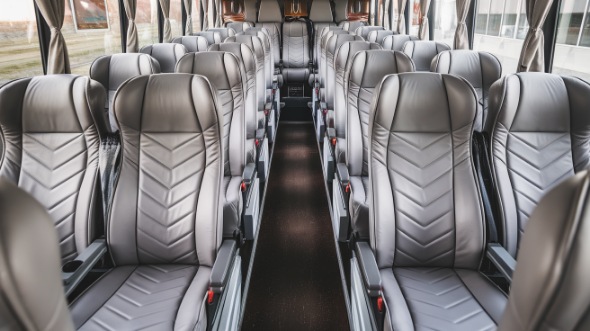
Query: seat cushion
{"x": 147, "y": 297}
{"x": 232, "y": 204}
{"x": 440, "y": 299}
{"x": 359, "y": 205}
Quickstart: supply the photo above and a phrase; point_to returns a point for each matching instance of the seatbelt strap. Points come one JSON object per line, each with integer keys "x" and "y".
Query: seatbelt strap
{"x": 483, "y": 172}
{"x": 108, "y": 155}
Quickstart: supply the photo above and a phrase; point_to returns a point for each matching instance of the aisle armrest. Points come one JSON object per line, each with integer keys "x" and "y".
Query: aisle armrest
{"x": 369, "y": 269}
{"x": 500, "y": 257}
{"x": 222, "y": 266}
{"x": 73, "y": 272}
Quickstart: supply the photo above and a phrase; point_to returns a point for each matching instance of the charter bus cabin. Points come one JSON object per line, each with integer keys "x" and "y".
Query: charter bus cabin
{"x": 294, "y": 165}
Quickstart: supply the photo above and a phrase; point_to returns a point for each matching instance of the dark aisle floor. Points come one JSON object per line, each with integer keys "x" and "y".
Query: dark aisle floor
{"x": 295, "y": 283}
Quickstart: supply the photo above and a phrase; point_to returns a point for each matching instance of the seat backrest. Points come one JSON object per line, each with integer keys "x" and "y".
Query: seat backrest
{"x": 377, "y": 36}
{"x": 425, "y": 202}
{"x": 480, "y": 69}
{"x": 366, "y": 71}
{"x": 539, "y": 126}
{"x": 364, "y": 31}
{"x": 351, "y": 25}
{"x": 113, "y": 70}
{"x": 212, "y": 37}
{"x": 250, "y": 10}
{"x": 323, "y": 58}
{"x": 223, "y": 71}
{"x": 256, "y": 46}
{"x": 320, "y": 15}
{"x": 295, "y": 45}
{"x": 422, "y": 52}
{"x": 224, "y": 33}
{"x": 396, "y": 42}
{"x": 31, "y": 290}
{"x": 264, "y": 36}
{"x": 193, "y": 43}
{"x": 167, "y": 54}
{"x": 51, "y": 128}
{"x": 550, "y": 288}
{"x": 319, "y": 35}
{"x": 247, "y": 61}
{"x": 331, "y": 46}
{"x": 270, "y": 18}
{"x": 171, "y": 128}
{"x": 342, "y": 61}
{"x": 239, "y": 26}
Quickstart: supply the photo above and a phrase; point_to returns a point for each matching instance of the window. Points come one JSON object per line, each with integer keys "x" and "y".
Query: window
{"x": 146, "y": 18}
{"x": 445, "y": 22}
{"x": 496, "y": 31}
{"x": 20, "y": 55}
{"x": 415, "y": 17}
{"x": 176, "y": 18}
{"x": 91, "y": 29}
{"x": 196, "y": 16}
{"x": 572, "y": 49}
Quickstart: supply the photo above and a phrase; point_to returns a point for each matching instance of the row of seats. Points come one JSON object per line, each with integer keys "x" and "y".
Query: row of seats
{"x": 419, "y": 262}
{"x": 174, "y": 265}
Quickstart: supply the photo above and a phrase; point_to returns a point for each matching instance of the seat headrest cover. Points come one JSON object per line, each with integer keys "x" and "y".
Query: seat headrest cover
{"x": 423, "y": 52}
{"x": 31, "y": 290}
{"x": 396, "y": 42}
{"x": 167, "y": 54}
{"x": 370, "y": 66}
{"x": 112, "y": 70}
{"x": 193, "y": 43}
{"x": 269, "y": 11}
{"x": 550, "y": 288}
{"x": 221, "y": 68}
{"x": 321, "y": 11}
{"x": 471, "y": 65}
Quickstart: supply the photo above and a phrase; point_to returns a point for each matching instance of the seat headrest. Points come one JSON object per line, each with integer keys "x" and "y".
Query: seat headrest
{"x": 213, "y": 37}
{"x": 321, "y": 11}
{"x": 422, "y": 52}
{"x": 269, "y": 12}
{"x": 369, "y": 67}
{"x": 221, "y": 68}
{"x": 112, "y": 70}
{"x": 396, "y": 42}
{"x": 550, "y": 287}
{"x": 167, "y": 54}
{"x": 31, "y": 290}
{"x": 193, "y": 43}
{"x": 346, "y": 52}
{"x": 481, "y": 69}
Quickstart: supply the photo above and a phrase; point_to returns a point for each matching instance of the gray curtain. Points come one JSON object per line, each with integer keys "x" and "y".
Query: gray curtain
{"x": 461, "y": 36}
{"x": 205, "y": 23}
{"x": 132, "y": 41}
{"x": 58, "y": 61}
{"x": 165, "y": 5}
{"x": 188, "y": 6}
{"x": 387, "y": 15}
{"x": 532, "y": 55}
{"x": 401, "y": 19}
{"x": 424, "y": 8}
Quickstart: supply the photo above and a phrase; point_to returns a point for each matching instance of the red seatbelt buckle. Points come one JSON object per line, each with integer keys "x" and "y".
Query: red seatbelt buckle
{"x": 243, "y": 187}
{"x": 347, "y": 188}
{"x": 334, "y": 141}
{"x": 257, "y": 142}
{"x": 380, "y": 304}
{"x": 210, "y": 296}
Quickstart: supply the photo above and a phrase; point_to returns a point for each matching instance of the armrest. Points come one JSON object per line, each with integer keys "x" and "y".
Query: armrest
{"x": 260, "y": 134}
{"x": 249, "y": 173}
{"x": 323, "y": 106}
{"x": 222, "y": 267}
{"x": 74, "y": 271}
{"x": 331, "y": 133}
{"x": 502, "y": 260}
{"x": 267, "y": 108}
{"x": 342, "y": 172}
{"x": 369, "y": 269}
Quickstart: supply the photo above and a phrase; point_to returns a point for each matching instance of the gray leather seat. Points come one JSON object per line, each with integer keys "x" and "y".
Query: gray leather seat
{"x": 366, "y": 71}
{"x": 31, "y": 290}
{"x": 342, "y": 61}
{"x": 332, "y": 46}
{"x": 320, "y": 15}
{"x": 239, "y": 26}
{"x": 224, "y": 33}
{"x": 213, "y": 37}
{"x": 113, "y": 70}
{"x": 223, "y": 71}
{"x": 193, "y": 43}
{"x": 427, "y": 223}
{"x": 396, "y": 42}
{"x": 163, "y": 234}
{"x": 296, "y": 46}
{"x": 539, "y": 126}
{"x": 269, "y": 67}
{"x": 323, "y": 68}
{"x": 247, "y": 61}
{"x": 319, "y": 35}
{"x": 270, "y": 18}
{"x": 52, "y": 128}
{"x": 423, "y": 52}
{"x": 480, "y": 69}
{"x": 377, "y": 36}
{"x": 551, "y": 275}
{"x": 167, "y": 54}
{"x": 351, "y": 25}
{"x": 364, "y": 31}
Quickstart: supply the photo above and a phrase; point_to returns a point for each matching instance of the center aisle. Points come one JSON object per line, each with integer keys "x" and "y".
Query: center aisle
{"x": 295, "y": 283}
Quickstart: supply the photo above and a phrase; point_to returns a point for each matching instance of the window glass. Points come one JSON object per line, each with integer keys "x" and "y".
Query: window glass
{"x": 445, "y": 22}
{"x": 481, "y": 20}
{"x": 20, "y": 55}
{"x": 91, "y": 29}
{"x": 176, "y": 18}
{"x": 523, "y": 23}
{"x": 196, "y": 16}
{"x": 146, "y": 18}
{"x": 572, "y": 49}
{"x": 498, "y": 36}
